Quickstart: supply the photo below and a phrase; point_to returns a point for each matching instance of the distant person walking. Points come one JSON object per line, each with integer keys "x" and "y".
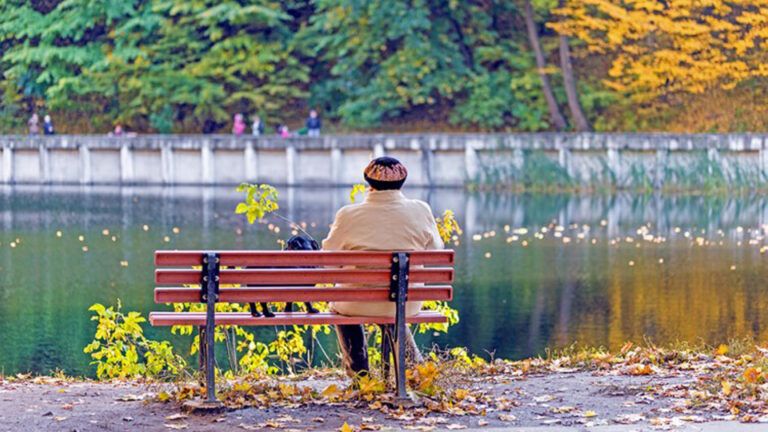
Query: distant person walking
{"x": 34, "y": 124}
{"x": 257, "y": 128}
{"x": 48, "y": 125}
{"x": 238, "y": 128}
{"x": 120, "y": 132}
{"x": 313, "y": 124}
{"x": 284, "y": 132}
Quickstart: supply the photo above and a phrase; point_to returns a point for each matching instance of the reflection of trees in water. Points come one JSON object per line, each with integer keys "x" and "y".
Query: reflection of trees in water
{"x": 589, "y": 294}
{"x": 624, "y": 211}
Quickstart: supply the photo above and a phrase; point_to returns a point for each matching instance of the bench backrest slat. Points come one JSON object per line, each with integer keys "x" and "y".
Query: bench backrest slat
{"x": 300, "y": 294}
{"x": 301, "y": 258}
{"x": 303, "y": 276}
{"x": 292, "y": 276}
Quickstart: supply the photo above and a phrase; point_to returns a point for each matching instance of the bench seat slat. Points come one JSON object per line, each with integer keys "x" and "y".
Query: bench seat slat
{"x": 235, "y": 258}
{"x": 299, "y": 294}
{"x": 303, "y": 276}
{"x": 282, "y": 318}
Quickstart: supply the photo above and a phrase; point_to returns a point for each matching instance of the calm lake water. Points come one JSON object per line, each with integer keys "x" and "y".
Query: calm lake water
{"x": 534, "y": 271}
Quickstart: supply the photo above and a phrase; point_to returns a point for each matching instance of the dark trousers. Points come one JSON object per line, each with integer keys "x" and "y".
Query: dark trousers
{"x": 354, "y": 348}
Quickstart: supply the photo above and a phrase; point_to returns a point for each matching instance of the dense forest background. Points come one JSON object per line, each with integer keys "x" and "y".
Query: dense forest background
{"x": 386, "y": 65}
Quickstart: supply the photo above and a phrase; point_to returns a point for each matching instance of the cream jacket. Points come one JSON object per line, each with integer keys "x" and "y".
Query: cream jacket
{"x": 386, "y": 220}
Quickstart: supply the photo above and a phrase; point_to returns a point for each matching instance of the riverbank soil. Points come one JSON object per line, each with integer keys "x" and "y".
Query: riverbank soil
{"x": 547, "y": 401}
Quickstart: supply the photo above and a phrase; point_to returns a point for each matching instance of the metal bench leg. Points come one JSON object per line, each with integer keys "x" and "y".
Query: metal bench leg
{"x": 211, "y": 280}
{"x": 400, "y": 351}
{"x": 210, "y": 369}
{"x": 398, "y": 292}
{"x": 386, "y": 350}
{"x": 201, "y": 352}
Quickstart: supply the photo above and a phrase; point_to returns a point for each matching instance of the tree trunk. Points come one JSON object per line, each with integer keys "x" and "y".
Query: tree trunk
{"x": 533, "y": 36}
{"x": 577, "y": 114}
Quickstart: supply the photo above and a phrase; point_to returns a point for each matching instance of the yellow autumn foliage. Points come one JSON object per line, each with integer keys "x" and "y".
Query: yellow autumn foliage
{"x": 676, "y": 46}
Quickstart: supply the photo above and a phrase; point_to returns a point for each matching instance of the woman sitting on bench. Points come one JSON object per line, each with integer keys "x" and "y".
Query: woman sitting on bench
{"x": 385, "y": 220}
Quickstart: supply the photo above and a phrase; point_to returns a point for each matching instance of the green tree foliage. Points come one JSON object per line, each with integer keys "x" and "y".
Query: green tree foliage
{"x": 158, "y": 65}
{"x": 188, "y": 66}
{"x": 387, "y": 59}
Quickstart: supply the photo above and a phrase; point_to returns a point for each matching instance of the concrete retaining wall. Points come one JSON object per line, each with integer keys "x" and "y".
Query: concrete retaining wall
{"x": 432, "y": 159}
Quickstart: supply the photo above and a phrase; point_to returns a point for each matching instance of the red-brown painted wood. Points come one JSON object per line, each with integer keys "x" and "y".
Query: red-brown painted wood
{"x": 282, "y": 318}
{"x": 303, "y": 276}
{"x": 301, "y": 258}
{"x": 299, "y": 294}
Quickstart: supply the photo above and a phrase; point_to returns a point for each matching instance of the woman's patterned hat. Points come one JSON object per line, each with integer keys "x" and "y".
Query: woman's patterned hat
{"x": 385, "y": 173}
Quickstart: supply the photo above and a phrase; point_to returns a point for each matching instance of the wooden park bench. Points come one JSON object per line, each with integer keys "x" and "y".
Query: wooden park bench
{"x": 292, "y": 276}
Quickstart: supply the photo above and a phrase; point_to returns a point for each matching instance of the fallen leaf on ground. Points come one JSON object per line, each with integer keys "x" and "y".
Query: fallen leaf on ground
{"x": 176, "y": 425}
{"x": 331, "y": 391}
{"x": 639, "y": 369}
{"x": 563, "y": 409}
{"x": 629, "y": 418}
{"x": 751, "y": 375}
{"x": 550, "y": 421}
{"x": 727, "y": 388}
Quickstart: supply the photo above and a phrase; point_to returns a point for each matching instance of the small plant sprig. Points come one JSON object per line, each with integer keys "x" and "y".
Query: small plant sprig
{"x": 260, "y": 200}
{"x": 357, "y": 189}
{"x": 120, "y": 349}
{"x": 447, "y": 226}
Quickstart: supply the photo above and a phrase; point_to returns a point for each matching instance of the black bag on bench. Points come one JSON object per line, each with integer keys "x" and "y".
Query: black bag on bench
{"x": 297, "y": 242}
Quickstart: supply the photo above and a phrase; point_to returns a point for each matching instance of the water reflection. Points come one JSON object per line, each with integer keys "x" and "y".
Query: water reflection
{"x": 534, "y": 271}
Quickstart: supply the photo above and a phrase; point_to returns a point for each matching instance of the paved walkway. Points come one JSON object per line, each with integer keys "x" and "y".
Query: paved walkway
{"x": 548, "y": 403}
